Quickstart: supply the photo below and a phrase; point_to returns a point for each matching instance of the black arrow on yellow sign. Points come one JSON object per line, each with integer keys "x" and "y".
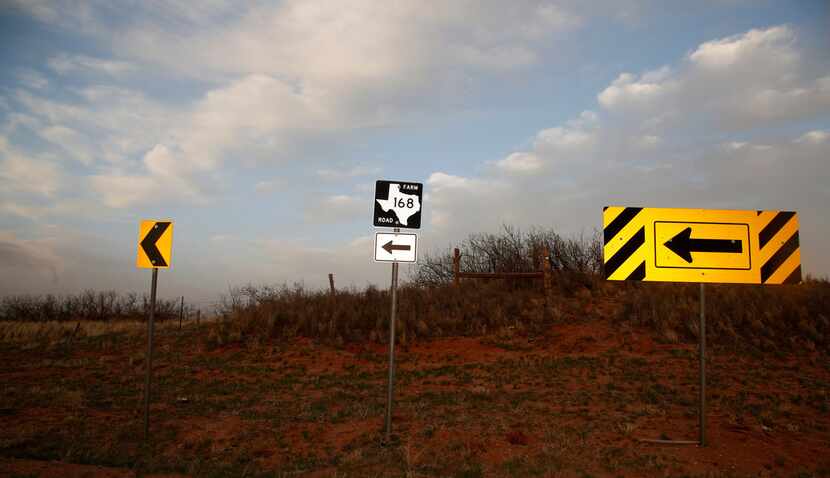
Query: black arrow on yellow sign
{"x": 683, "y": 245}
{"x": 149, "y": 244}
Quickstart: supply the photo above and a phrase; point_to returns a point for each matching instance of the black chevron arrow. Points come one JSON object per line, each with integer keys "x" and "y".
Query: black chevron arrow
{"x": 149, "y": 244}
{"x": 389, "y": 247}
{"x": 683, "y": 245}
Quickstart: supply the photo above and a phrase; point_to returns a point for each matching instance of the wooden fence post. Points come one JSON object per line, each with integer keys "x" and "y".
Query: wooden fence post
{"x": 332, "y": 304}
{"x": 456, "y": 266}
{"x": 548, "y": 283}
{"x": 181, "y": 313}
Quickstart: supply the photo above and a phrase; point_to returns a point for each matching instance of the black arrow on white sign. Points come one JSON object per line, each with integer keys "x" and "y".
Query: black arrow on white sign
{"x": 149, "y": 244}
{"x": 683, "y": 245}
{"x": 389, "y": 247}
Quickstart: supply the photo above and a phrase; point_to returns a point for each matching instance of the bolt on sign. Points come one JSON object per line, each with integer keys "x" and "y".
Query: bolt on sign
{"x": 701, "y": 245}
{"x": 155, "y": 244}
{"x": 398, "y": 204}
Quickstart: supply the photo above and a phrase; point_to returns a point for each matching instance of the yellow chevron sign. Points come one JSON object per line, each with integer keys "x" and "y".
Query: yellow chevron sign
{"x": 155, "y": 244}
{"x": 701, "y": 245}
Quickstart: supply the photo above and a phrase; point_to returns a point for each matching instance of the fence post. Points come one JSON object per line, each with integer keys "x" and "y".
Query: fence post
{"x": 456, "y": 266}
{"x": 198, "y": 315}
{"x": 548, "y": 283}
{"x": 332, "y": 304}
{"x": 181, "y": 313}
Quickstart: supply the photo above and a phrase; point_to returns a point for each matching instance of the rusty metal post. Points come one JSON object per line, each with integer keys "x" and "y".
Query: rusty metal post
{"x": 702, "y": 410}
{"x": 456, "y": 266}
{"x": 149, "y": 360}
{"x": 181, "y": 313}
{"x": 331, "y": 283}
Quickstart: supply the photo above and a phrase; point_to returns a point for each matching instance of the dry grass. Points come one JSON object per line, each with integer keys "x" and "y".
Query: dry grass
{"x": 474, "y": 308}
{"x": 55, "y": 332}
{"x": 770, "y": 318}
{"x": 765, "y": 318}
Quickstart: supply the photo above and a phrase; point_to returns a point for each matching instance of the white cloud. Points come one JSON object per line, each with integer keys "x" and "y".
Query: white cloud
{"x": 20, "y": 257}
{"x": 627, "y": 90}
{"x": 71, "y": 141}
{"x": 727, "y": 53}
{"x": 32, "y": 79}
{"x": 336, "y": 208}
{"x": 122, "y": 191}
{"x": 64, "y": 64}
{"x": 663, "y": 139}
{"x": 737, "y": 82}
{"x": 358, "y": 170}
{"x": 814, "y": 137}
{"x": 29, "y": 174}
{"x": 520, "y": 163}
{"x": 265, "y": 187}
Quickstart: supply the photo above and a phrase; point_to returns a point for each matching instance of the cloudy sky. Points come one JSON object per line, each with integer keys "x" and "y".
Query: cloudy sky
{"x": 261, "y": 131}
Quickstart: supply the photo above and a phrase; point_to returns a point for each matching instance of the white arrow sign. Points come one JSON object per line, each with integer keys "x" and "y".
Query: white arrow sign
{"x": 396, "y": 247}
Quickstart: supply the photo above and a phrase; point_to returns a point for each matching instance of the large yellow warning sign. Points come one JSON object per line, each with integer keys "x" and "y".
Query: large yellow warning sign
{"x": 701, "y": 245}
{"x": 155, "y": 244}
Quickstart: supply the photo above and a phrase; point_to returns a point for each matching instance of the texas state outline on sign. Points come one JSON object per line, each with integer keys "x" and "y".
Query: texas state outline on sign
{"x": 391, "y": 203}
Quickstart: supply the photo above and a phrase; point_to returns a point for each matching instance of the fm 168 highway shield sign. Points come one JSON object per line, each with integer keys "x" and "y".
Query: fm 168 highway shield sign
{"x": 701, "y": 245}
{"x": 398, "y": 204}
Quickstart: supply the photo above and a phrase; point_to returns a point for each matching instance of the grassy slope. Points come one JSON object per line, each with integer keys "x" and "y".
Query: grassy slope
{"x": 512, "y": 399}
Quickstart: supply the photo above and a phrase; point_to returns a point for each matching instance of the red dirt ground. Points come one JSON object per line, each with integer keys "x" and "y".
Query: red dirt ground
{"x": 572, "y": 402}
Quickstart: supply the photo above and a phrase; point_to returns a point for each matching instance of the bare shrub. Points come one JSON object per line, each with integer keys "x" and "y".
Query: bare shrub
{"x": 87, "y": 305}
{"x": 576, "y": 261}
{"x": 783, "y": 317}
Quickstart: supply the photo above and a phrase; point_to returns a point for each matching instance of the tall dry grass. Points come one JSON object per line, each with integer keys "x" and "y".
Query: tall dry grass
{"x": 766, "y": 318}
{"x": 474, "y": 308}
{"x": 87, "y": 305}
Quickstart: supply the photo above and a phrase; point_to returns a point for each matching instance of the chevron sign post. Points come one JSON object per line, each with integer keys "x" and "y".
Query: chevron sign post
{"x": 700, "y": 245}
{"x": 155, "y": 246}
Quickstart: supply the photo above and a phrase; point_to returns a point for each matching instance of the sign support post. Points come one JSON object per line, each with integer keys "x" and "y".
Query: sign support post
{"x": 700, "y": 246}
{"x": 393, "y": 313}
{"x": 397, "y": 205}
{"x": 155, "y": 246}
{"x": 149, "y": 361}
{"x": 702, "y": 411}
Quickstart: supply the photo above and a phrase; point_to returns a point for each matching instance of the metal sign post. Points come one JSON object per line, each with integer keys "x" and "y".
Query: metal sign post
{"x": 392, "y": 315}
{"x": 700, "y": 245}
{"x": 702, "y": 410}
{"x": 397, "y": 205}
{"x": 155, "y": 247}
{"x": 149, "y": 360}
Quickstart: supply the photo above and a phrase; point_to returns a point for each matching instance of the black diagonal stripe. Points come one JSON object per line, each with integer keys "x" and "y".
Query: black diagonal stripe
{"x": 639, "y": 273}
{"x": 149, "y": 244}
{"x": 604, "y": 208}
{"x": 620, "y": 222}
{"x": 625, "y": 252}
{"x": 769, "y": 231}
{"x": 774, "y": 262}
{"x": 795, "y": 277}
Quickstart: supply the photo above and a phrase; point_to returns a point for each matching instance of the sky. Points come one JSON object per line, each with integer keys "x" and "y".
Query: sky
{"x": 260, "y": 128}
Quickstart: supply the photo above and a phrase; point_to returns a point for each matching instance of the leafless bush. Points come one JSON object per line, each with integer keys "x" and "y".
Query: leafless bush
{"x": 87, "y": 305}
{"x": 574, "y": 259}
{"x": 363, "y": 315}
{"x": 786, "y": 317}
